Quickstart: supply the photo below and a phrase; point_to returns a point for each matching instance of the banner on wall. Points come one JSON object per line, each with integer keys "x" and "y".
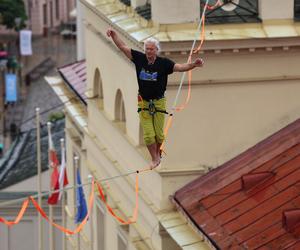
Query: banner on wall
{"x": 10, "y": 88}
{"x": 25, "y": 42}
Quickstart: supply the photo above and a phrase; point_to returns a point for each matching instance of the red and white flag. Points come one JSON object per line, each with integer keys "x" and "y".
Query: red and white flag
{"x": 56, "y": 175}
{"x": 53, "y": 164}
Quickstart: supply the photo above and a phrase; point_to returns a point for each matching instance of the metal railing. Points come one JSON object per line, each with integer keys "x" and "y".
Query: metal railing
{"x": 242, "y": 11}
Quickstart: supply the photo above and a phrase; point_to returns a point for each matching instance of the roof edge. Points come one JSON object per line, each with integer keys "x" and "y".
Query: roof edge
{"x": 193, "y": 224}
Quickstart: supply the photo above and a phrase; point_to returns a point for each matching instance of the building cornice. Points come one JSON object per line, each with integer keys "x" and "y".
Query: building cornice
{"x": 177, "y": 38}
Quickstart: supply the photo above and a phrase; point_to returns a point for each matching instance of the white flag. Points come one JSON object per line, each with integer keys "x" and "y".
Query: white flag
{"x": 63, "y": 179}
{"x": 25, "y": 42}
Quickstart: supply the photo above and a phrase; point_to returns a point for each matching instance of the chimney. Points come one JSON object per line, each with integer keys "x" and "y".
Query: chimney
{"x": 291, "y": 220}
{"x": 252, "y": 180}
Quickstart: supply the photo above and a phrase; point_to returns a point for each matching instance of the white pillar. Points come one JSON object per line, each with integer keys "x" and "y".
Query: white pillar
{"x": 175, "y": 11}
{"x": 276, "y": 9}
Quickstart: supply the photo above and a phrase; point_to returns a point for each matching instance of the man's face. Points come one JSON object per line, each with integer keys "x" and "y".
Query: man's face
{"x": 150, "y": 50}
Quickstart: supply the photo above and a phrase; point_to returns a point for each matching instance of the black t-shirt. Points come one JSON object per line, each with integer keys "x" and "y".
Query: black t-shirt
{"x": 152, "y": 78}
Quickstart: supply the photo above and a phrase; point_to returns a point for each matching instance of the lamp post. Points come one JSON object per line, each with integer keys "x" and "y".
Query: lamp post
{"x": 18, "y": 21}
{"x": 2, "y": 115}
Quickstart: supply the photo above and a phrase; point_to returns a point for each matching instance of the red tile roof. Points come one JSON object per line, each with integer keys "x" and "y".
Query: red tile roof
{"x": 244, "y": 203}
{"x": 75, "y": 76}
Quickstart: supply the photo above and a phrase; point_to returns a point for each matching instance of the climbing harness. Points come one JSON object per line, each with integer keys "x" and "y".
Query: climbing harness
{"x": 151, "y": 108}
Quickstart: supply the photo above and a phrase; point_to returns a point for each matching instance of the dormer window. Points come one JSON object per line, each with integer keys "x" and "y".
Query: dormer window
{"x": 231, "y": 11}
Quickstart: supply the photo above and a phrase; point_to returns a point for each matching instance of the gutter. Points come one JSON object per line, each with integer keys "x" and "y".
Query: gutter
{"x": 194, "y": 225}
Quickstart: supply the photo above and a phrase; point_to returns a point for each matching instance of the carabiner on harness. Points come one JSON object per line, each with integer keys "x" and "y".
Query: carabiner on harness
{"x": 151, "y": 107}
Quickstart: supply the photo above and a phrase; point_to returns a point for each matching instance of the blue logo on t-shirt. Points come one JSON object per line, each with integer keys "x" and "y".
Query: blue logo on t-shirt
{"x": 148, "y": 76}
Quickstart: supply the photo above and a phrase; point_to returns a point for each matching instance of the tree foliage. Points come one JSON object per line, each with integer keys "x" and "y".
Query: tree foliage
{"x": 9, "y": 11}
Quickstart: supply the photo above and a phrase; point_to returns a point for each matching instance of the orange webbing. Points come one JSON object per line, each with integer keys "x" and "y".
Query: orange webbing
{"x": 211, "y": 7}
{"x": 135, "y": 212}
{"x": 19, "y": 217}
{"x": 202, "y": 38}
{"x": 182, "y": 107}
{"x": 61, "y": 228}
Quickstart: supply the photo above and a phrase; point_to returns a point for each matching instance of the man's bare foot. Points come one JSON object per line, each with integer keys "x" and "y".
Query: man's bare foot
{"x": 154, "y": 164}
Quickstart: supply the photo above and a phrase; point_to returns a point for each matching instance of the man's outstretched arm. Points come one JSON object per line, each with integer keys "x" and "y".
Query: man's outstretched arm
{"x": 119, "y": 43}
{"x": 188, "y": 66}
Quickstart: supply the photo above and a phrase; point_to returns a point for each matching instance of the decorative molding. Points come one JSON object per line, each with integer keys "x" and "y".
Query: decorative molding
{"x": 172, "y": 85}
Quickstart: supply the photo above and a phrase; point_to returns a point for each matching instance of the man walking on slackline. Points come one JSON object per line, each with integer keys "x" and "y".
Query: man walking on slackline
{"x": 152, "y": 74}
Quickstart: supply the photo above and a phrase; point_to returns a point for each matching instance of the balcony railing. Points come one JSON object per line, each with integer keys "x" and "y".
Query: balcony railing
{"x": 231, "y": 11}
{"x": 126, "y": 2}
{"x": 144, "y": 11}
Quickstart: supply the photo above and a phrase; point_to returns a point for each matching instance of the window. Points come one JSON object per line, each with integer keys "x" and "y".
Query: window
{"x": 97, "y": 88}
{"x": 119, "y": 108}
{"x": 57, "y": 9}
{"x": 231, "y": 11}
{"x": 297, "y": 10}
{"x": 122, "y": 241}
{"x": 45, "y": 16}
{"x": 100, "y": 226}
{"x": 120, "y": 116}
{"x": 51, "y": 14}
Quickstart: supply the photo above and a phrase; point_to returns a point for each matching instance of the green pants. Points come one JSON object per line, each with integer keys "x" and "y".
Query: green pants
{"x": 153, "y": 125}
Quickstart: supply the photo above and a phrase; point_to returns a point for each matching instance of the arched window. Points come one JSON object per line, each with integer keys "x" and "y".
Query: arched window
{"x": 97, "y": 88}
{"x": 119, "y": 107}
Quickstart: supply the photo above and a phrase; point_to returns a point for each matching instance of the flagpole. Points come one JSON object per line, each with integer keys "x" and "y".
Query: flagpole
{"x": 90, "y": 179}
{"x": 39, "y": 170}
{"x": 76, "y": 160}
{"x": 63, "y": 202}
{"x": 51, "y": 236}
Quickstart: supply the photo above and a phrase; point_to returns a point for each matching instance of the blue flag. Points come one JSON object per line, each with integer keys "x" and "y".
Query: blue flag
{"x": 80, "y": 201}
{"x": 10, "y": 88}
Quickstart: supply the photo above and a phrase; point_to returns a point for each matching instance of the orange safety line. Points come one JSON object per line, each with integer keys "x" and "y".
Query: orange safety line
{"x": 202, "y": 38}
{"x": 135, "y": 213}
{"x": 61, "y": 228}
{"x": 182, "y": 107}
{"x": 42, "y": 212}
{"x": 19, "y": 217}
{"x": 91, "y": 201}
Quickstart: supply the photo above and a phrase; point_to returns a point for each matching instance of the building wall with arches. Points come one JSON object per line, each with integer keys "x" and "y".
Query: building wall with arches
{"x": 117, "y": 76}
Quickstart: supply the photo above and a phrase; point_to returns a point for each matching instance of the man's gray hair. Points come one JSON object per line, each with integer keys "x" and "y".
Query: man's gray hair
{"x": 154, "y": 41}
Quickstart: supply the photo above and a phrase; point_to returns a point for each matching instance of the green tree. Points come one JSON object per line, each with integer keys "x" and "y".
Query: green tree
{"x": 10, "y": 10}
